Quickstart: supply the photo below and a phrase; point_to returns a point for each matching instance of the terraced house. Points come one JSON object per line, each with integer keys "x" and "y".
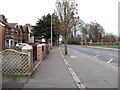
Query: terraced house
{"x": 11, "y": 33}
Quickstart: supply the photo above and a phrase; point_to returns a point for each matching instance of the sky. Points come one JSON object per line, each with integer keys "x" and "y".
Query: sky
{"x": 104, "y": 12}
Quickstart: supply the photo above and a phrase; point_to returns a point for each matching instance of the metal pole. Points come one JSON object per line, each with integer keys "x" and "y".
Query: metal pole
{"x": 51, "y": 32}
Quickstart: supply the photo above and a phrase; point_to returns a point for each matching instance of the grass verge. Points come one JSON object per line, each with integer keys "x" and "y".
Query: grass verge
{"x": 108, "y": 46}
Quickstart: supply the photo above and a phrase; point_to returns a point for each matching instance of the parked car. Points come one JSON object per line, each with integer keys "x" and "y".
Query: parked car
{"x": 20, "y": 45}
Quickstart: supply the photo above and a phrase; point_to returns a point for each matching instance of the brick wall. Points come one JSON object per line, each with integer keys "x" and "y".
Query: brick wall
{"x": 2, "y": 41}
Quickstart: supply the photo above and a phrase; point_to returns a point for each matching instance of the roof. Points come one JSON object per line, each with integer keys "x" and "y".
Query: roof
{"x": 21, "y": 27}
{"x": 2, "y": 17}
{"x": 27, "y": 24}
{"x": 25, "y": 28}
{"x": 12, "y": 25}
{"x": 4, "y": 23}
{"x": 8, "y": 37}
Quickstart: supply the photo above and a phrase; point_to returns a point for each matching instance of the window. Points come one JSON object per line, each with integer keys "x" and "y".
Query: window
{"x": 16, "y": 32}
{"x": 6, "y": 30}
{"x": 11, "y": 31}
{"x": 20, "y": 32}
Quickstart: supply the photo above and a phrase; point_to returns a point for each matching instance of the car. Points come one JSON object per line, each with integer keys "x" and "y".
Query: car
{"x": 20, "y": 45}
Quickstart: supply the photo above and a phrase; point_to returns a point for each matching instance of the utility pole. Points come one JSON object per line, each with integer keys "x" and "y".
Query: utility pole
{"x": 51, "y": 33}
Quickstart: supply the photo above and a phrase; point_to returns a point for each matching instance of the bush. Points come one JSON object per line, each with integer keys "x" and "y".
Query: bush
{"x": 70, "y": 42}
{"x": 75, "y": 40}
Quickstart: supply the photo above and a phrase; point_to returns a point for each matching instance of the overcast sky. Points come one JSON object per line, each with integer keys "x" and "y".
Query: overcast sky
{"x": 104, "y": 12}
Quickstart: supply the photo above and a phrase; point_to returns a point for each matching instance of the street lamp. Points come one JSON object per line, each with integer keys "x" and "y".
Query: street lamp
{"x": 51, "y": 31}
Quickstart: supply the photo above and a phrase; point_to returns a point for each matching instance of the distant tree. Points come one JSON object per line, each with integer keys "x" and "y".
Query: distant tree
{"x": 56, "y": 28}
{"x": 84, "y": 32}
{"x": 109, "y": 38}
{"x": 76, "y": 25}
{"x": 43, "y": 27}
{"x": 96, "y": 31}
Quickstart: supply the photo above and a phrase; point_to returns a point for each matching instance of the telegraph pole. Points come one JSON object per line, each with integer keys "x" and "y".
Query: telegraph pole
{"x": 51, "y": 33}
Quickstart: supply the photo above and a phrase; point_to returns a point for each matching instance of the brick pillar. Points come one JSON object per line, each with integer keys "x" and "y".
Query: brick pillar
{"x": 44, "y": 49}
{"x": 29, "y": 50}
{"x": 40, "y": 55}
{"x": 47, "y": 48}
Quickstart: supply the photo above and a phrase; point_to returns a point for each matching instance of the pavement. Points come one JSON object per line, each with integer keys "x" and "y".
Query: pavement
{"x": 75, "y": 70}
{"x": 52, "y": 73}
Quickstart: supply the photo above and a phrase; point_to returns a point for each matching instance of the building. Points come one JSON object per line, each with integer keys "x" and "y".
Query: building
{"x": 30, "y": 34}
{"x": 11, "y": 33}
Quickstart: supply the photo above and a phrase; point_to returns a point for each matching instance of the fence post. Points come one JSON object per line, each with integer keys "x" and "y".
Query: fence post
{"x": 39, "y": 52}
{"x": 28, "y": 49}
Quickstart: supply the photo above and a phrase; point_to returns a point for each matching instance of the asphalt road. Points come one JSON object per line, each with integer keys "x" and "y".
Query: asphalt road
{"x": 107, "y": 56}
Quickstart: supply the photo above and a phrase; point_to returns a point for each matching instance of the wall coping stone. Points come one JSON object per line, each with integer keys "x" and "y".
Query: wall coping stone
{"x": 27, "y": 46}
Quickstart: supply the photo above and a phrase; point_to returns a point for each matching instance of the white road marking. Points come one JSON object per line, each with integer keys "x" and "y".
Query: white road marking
{"x": 95, "y": 56}
{"x": 74, "y": 75}
{"x": 73, "y": 56}
{"x": 110, "y": 60}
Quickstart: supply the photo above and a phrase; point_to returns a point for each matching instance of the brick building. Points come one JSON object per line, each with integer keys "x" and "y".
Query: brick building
{"x": 30, "y": 34}
{"x": 11, "y": 33}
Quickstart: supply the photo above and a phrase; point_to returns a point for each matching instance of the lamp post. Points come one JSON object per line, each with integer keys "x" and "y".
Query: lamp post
{"x": 51, "y": 32}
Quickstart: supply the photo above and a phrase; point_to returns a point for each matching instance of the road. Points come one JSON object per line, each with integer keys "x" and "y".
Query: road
{"x": 107, "y": 56}
{"x": 92, "y": 67}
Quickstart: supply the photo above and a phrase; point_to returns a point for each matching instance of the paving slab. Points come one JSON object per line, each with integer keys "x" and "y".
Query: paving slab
{"x": 51, "y": 73}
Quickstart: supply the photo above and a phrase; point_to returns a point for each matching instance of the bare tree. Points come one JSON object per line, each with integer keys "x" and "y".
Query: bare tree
{"x": 96, "y": 31}
{"x": 84, "y": 32}
{"x": 66, "y": 11}
{"x": 109, "y": 37}
{"x": 56, "y": 27}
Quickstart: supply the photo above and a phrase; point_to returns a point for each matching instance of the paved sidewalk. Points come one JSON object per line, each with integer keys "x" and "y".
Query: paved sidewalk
{"x": 52, "y": 73}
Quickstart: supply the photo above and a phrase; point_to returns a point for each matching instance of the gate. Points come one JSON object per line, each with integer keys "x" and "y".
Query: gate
{"x": 15, "y": 63}
{"x": 34, "y": 53}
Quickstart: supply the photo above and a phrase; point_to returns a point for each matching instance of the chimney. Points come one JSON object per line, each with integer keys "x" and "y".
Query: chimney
{"x": 27, "y": 24}
{"x": 2, "y": 17}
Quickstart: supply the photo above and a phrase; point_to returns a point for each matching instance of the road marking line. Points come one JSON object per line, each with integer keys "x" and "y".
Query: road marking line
{"x": 95, "y": 56}
{"x": 110, "y": 60}
{"x": 74, "y": 75}
{"x": 73, "y": 56}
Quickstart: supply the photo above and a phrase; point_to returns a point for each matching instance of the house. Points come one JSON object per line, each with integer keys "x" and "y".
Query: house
{"x": 25, "y": 34}
{"x": 11, "y": 33}
{"x": 30, "y": 34}
{"x": 4, "y": 27}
